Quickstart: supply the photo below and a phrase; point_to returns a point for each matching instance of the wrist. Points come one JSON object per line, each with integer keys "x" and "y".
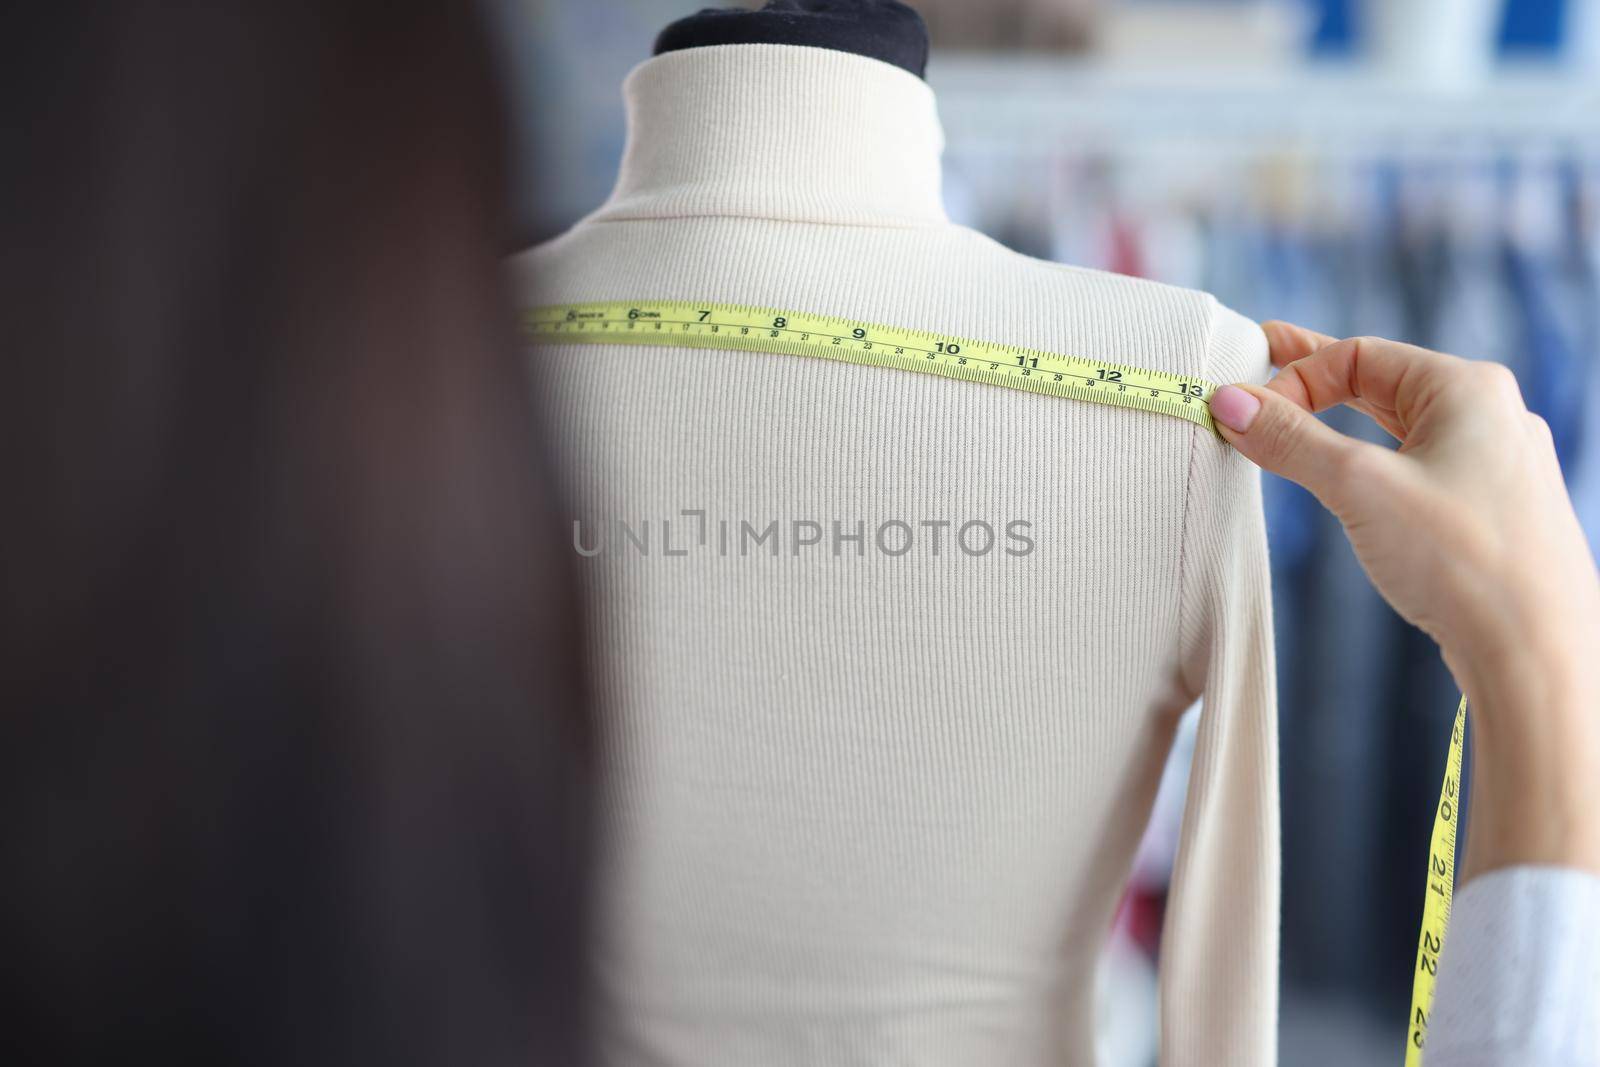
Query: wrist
{"x": 1526, "y": 657}
{"x": 1520, "y": 680}
{"x": 1535, "y": 752}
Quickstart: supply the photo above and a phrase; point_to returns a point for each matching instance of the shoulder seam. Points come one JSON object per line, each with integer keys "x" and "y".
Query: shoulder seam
{"x": 1188, "y": 493}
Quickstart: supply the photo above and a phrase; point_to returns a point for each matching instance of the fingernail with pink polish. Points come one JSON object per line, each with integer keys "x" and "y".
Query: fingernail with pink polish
{"x": 1234, "y": 408}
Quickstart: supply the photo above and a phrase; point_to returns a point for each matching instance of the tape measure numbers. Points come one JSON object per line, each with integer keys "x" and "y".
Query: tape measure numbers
{"x": 797, "y": 333}
{"x": 1441, "y": 890}
{"x": 868, "y": 344}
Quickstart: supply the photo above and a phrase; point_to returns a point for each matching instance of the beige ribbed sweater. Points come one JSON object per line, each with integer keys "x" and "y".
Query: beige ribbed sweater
{"x": 873, "y": 801}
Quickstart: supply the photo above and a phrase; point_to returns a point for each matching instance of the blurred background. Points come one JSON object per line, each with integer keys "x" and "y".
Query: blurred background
{"x": 1422, "y": 169}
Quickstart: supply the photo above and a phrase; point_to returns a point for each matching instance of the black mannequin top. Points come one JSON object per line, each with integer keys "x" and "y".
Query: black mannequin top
{"x": 882, "y": 29}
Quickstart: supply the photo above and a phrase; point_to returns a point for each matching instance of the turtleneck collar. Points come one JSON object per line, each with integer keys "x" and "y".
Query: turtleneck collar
{"x": 778, "y": 132}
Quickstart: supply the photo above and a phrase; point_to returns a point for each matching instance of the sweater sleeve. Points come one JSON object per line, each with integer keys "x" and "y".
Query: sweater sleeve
{"x": 1519, "y": 976}
{"x": 1219, "y": 946}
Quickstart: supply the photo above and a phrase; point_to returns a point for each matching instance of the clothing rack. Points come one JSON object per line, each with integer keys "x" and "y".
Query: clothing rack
{"x": 1467, "y": 220}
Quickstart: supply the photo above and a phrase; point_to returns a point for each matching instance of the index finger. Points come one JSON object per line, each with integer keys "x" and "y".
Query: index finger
{"x": 1287, "y": 342}
{"x": 1386, "y": 375}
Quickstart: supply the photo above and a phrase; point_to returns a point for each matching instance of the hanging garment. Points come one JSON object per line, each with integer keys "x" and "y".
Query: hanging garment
{"x": 873, "y": 787}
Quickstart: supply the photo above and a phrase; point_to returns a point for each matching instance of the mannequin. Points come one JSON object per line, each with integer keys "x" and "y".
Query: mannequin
{"x": 879, "y": 29}
{"x": 874, "y": 800}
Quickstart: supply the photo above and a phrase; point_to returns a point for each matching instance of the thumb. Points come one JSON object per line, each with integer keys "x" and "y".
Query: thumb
{"x": 1279, "y": 435}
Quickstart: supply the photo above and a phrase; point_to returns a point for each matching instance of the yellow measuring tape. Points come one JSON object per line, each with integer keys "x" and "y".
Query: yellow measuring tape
{"x": 1441, "y": 890}
{"x": 869, "y": 344}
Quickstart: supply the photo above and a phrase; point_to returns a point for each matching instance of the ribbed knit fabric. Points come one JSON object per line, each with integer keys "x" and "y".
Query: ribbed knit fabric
{"x": 872, "y": 806}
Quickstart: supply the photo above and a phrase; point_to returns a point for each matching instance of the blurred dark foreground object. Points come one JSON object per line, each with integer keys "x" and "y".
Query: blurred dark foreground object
{"x": 291, "y": 699}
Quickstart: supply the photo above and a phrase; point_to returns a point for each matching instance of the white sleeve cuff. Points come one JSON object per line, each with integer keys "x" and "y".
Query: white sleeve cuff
{"x": 1519, "y": 976}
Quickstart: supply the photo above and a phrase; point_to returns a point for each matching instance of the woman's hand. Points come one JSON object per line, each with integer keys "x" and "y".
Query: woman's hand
{"x": 1467, "y": 530}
